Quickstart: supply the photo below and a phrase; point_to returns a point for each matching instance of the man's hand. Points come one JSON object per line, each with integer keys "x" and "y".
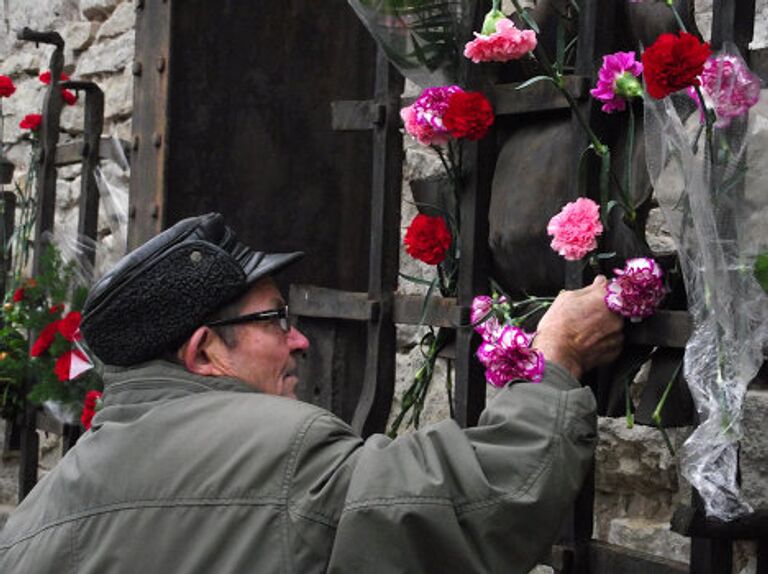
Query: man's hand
{"x": 578, "y": 332}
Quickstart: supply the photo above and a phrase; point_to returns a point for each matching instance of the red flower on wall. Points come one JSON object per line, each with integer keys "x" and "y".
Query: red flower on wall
{"x": 89, "y": 408}
{"x": 45, "y": 77}
{"x": 6, "y": 87}
{"x": 69, "y": 98}
{"x": 31, "y": 122}
{"x": 673, "y": 63}
{"x": 428, "y": 239}
{"x": 469, "y": 115}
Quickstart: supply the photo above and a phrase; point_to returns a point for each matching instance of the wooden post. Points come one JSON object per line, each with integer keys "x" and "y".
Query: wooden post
{"x": 149, "y": 155}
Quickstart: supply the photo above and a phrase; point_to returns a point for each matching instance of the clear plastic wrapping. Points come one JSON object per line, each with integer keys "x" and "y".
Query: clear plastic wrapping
{"x": 712, "y": 191}
{"x": 421, "y": 38}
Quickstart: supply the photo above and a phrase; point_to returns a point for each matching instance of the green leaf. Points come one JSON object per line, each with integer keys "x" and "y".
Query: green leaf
{"x": 761, "y": 270}
{"x": 414, "y": 279}
{"x": 534, "y": 80}
{"x": 560, "y": 53}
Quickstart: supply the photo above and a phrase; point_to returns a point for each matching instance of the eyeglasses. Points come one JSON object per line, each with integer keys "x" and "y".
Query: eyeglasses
{"x": 279, "y": 315}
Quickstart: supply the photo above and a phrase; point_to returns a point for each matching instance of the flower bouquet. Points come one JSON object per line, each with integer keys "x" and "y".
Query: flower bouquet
{"x": 706, "y": 140}
{"x": 41, "y": 342}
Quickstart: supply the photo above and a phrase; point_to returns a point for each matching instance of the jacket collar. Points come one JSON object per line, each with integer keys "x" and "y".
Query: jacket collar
{"x": 159, "y": 380}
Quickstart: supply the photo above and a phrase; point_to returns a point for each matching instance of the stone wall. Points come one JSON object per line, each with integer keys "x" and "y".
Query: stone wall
{"x": 99, "y": 39}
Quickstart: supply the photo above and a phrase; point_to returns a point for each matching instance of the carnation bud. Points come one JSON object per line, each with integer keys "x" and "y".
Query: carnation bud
{"x": 628, "y": 86}
{"x": 8, "y": 307}
{"x": 3, "y": 356}
{"x": 491, "y": 19}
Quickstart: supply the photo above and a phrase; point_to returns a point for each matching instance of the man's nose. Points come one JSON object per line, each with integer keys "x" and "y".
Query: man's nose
{"x": 297, "y": 340}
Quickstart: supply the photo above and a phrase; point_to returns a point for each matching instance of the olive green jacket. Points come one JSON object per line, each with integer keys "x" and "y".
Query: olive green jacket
{"x": 189, "y": 474}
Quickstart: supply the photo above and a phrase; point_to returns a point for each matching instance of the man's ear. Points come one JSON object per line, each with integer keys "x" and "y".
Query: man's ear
{"x": 199, "y": 354}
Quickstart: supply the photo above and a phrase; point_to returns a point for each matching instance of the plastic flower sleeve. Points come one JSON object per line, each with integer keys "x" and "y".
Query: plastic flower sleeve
{"x": 712, "y": 194}
{"x": 421, "y": 38}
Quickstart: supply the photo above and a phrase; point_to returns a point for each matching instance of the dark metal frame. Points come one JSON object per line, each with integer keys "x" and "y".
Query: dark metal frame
{"x": 88, "y": 153}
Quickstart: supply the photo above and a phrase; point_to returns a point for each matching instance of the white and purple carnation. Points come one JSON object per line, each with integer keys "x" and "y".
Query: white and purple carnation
{"x": 510, "y": 356}
{"x": 637, "y": 290}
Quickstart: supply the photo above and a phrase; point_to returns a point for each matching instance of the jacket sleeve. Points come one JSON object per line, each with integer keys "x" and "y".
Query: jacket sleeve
{"x": 486, "y": 499}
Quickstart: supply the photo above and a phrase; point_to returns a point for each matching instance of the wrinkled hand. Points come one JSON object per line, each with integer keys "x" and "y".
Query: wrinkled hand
{"x": 578, "y": 332}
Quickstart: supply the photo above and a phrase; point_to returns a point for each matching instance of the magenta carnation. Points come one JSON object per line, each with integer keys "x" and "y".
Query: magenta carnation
{"x": 575, "y": 228}
{"x": 424, "y": 118}
{"x": 506, "y": 43}
{"x": 617, "y": 81}
{"x": 728, "y": 87}
{"x": 510, "y": 356}
{"x": 637, "y": 290}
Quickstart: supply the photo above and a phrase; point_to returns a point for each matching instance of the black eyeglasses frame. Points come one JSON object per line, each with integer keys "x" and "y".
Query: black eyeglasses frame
{"x": 281, "y": 314}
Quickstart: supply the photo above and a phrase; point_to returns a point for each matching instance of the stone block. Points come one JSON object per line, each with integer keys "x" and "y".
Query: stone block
{"x": 23, "y": 62}
{"x": 651, "y": 537}
{"x": 635, "y": 460}
{"x": 122, "y": 20}
{"x": 78, "y": 35}
{"x": 754, "y": 450}
{"x": 107, "y": 57}
{"x": 118, "y": 96}
{"x": 98, "y": 10}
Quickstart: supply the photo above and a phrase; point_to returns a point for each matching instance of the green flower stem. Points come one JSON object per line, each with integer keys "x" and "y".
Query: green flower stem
{"x": 630, "y": 152}
{"x": 521, "y": 319}
{"x": 656, "y": 416}
{"x": 628, "y": 405}
{"x": 680, "y": 24}
{"x": 709, "y": 120}
{"x": 497, "y": 5}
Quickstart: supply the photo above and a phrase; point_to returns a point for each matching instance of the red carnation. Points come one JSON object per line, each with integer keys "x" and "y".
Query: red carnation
{"x": 469, "y": 115}
{"x": 89, "y": 408}
{"x": 58, "y": 308}
{"x": 428, "y": 239}
{"x": 69, "y": 326}
{"x": 45, "y": 77}
{"x": 45, "y": 339}
{"x": 6, "y": 86}
{"x": 18, "y": 295}
{"x": 69, "y": 98}
{"x": 673, "y": 62}
{"x": 31, "y": 122}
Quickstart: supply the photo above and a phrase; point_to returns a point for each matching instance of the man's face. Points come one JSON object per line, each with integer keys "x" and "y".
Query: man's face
{"x": 264, "y": 356}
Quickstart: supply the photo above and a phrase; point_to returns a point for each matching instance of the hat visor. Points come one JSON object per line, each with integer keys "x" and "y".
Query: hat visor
{"x": 260, "y": 264}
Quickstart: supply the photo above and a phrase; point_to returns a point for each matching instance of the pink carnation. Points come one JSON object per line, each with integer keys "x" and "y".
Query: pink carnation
{"x": 510, "y": 356}
{"x": 424, "y": 118}
{"x": 637, "y": 290}
{"x": 617, "y": 81}
{"x": 728, "y": 86}
{"x": 506, "y": 43}
{"x": 575, "y": 228}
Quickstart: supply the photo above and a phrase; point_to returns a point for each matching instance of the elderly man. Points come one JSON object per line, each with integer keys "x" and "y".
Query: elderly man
{"x": 201, "y": 462}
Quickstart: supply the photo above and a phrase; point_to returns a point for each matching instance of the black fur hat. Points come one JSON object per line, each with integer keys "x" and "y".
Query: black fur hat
{"x": 157, "y": 295}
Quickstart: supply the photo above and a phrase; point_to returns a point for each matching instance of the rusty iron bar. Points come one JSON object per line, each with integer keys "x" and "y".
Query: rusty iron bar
{"x": 46, "y": 194}
{"x": 374, "y": 404}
